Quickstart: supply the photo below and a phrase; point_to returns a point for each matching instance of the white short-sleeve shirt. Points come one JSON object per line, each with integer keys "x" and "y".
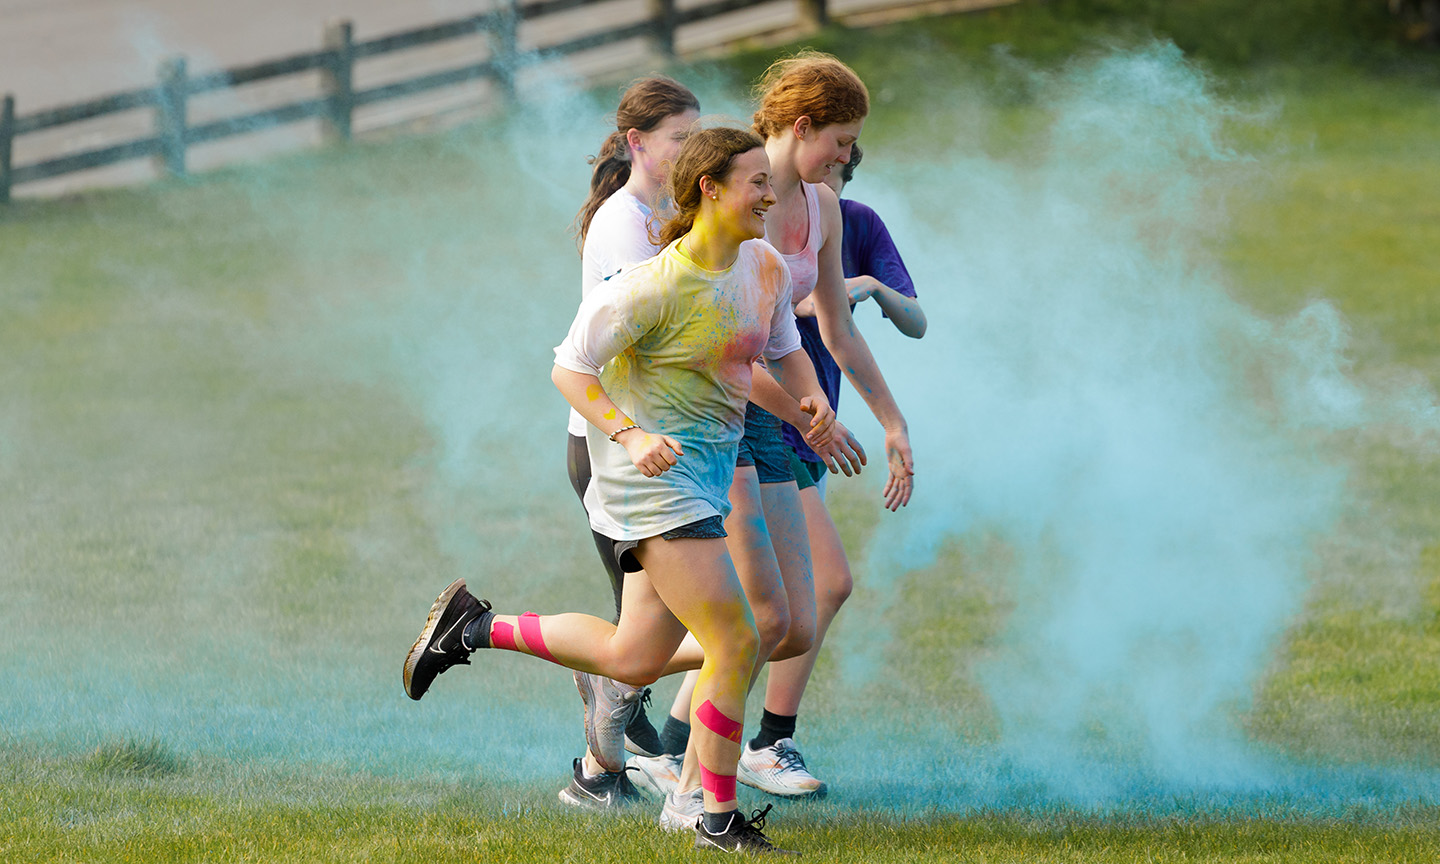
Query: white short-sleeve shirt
{"x": 673, "y": 344}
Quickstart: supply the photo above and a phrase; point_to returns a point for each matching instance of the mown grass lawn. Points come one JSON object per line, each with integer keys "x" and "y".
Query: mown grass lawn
{"x": 234, "y": 458}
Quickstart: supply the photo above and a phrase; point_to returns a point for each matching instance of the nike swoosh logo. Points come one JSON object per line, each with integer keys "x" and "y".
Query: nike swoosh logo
{"x": 435, "y": 643}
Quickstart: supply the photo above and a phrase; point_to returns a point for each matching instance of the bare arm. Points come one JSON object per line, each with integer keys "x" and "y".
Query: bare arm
{"x": 842, "y": 337}
{"x": 652, "y": 454}
{"x": 904, "y": 312}
{"x": 787, "y": 399}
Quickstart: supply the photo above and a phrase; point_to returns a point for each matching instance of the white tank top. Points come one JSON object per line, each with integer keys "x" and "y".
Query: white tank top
{"x": 805, "y": 264}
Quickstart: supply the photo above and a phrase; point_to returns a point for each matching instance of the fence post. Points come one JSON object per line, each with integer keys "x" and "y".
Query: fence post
{"x": 7, "y": 135}
{"x": 337, "y": 80}
{"x": 663, "y": 18}
{"x": 504, "y": 39}
{"x": 170, "y": 116}
{"x": 814, "y": 14}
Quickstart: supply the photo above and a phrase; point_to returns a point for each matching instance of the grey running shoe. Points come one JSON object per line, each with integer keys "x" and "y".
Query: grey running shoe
{"x": 742, "y": 835}
{"x": 640, "y": 735}
{"x": 658, "y": 774}
{"x": 609, "y": 705}
{"x": 605, "y": 791}
{"x": 440, "y": 645}
{"x": 780, "y": 770}
{"x": 682, "y": 810}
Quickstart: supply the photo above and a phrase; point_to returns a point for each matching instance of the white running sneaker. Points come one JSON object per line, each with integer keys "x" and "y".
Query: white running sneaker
{"x": 682, "y": 810}
{"x": 780, "y": 770}
{"x": 609, "y": 706}
{"x": 658, "y": 774}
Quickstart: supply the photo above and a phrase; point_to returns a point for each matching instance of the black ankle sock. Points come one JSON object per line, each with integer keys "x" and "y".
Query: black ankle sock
{"x": 773, "y": 727}
{"x": 476, "y": 634}
{"x": 718, "y": 823}
{"x": 675, "y": 736}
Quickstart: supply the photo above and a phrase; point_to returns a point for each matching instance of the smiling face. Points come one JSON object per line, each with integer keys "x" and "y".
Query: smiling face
{"x": 744, "y": 194}
{"x": 654, "y": 152}
{"x": 819, "y": 149}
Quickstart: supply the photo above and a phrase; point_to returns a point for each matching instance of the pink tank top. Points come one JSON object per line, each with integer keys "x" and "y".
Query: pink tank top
{"x": 805, "y": 264}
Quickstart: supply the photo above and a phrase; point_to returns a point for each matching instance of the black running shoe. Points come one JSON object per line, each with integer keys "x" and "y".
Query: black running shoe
{"x": 742, "y": 835}
{"x": 605, "y": 791}
{"x": 440, "y": 645}
{"x": 640, "y": 735}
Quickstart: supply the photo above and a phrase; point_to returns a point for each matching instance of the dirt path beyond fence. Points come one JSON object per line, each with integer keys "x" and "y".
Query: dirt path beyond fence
{"x": 58, "y": 52}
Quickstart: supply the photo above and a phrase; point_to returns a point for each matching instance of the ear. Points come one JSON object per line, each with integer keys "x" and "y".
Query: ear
{"x": 632, "y": 137}
{"x": 708, "y": 187}
{"x": 802, "y": 126}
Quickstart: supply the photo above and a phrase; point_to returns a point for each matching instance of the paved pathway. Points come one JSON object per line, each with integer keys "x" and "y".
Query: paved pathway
{"x": 55, "y": 52}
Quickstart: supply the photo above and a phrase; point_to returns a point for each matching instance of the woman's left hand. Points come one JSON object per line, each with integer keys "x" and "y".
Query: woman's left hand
{"x": 902, "y": 468}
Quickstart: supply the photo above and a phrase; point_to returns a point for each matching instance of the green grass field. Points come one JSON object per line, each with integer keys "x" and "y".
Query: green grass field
{"x": 252, "y": 423}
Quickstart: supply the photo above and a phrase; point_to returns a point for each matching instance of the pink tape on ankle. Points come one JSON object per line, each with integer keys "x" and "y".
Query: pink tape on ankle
{"x": 711, "y": 718}
{"x": 530, "y": 632}
{"x": 722, "y": 786}
{"x": 502, "y": 635}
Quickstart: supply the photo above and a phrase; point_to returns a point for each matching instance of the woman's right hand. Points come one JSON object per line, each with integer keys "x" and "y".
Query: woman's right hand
{"x": 843, "y": 453}
{"x": 653, "y": 454}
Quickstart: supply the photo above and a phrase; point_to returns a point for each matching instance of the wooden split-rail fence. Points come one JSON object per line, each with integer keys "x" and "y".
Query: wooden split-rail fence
{"x": 173, "y": 134}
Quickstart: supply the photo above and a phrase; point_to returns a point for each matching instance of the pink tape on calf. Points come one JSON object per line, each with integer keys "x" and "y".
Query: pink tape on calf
{"x": 722, "y": 786}
{"x": 530, "y": 632}
{"x": 711, "y": 718}
{"x": 502, "y": 635}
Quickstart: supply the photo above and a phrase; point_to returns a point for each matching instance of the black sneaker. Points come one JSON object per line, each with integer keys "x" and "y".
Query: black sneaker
{"x": 742, "y": 835}
{"x": 440, "y": 645}
{"x": 640, "y": 735}
{"x": 605, "y": 791}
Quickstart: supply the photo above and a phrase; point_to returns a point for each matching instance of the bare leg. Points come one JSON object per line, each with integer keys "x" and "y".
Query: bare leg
{"x": 833, "y": 584}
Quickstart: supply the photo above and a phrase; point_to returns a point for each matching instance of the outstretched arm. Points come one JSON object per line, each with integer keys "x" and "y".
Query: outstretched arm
{"x": 842, "y": 337}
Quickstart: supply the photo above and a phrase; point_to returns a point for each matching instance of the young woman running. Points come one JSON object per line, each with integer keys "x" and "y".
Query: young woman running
{"x": 659, "y": 364}
{"x": 874, "y": 270}
{"x": 627, "y": 188}
{"x": 811, "y": 110}
{"x": 654, "y": 117}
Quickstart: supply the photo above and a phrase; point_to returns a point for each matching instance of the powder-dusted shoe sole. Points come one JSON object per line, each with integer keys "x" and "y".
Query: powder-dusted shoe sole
{"x": 439, "y": 646}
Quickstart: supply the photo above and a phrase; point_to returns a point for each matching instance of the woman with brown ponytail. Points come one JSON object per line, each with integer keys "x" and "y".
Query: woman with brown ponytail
{"x": 627, "y": 191}
{"x": 659, "y": 363}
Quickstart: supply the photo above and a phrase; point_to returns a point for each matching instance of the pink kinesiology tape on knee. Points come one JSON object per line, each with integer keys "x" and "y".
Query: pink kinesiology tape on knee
{"x": 722, "y": 786}
{"x": 502, "y": 635}
{"x": 711, "y": 718}
{"x": 530, "y": 632}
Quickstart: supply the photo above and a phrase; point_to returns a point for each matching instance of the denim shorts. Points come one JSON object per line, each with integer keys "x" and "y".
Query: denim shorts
{"x": 711, "y": 527}
{"x": 763, "y": 447}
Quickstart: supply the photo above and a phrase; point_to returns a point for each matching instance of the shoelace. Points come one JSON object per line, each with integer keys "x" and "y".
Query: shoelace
{"x": 753, "y": 825}
{"x": 788, "y": 758}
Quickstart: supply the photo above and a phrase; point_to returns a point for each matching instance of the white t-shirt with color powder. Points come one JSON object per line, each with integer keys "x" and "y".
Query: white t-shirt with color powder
{"x": 673, "y": 344}
{"x": 618, "y": 237}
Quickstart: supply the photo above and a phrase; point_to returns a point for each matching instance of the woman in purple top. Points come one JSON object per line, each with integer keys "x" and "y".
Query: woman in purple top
{"x": 873, "y": 271}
